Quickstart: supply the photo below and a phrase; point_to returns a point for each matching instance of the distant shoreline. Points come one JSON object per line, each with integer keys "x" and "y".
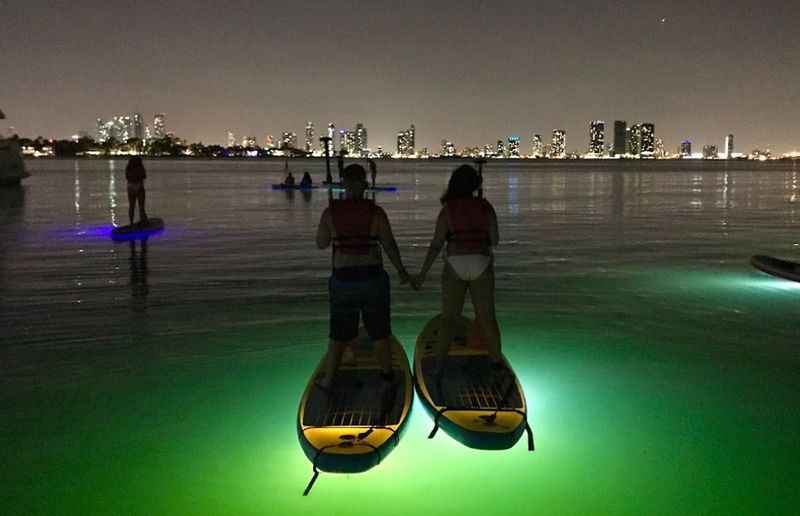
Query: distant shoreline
{"x": 415, "y": 160}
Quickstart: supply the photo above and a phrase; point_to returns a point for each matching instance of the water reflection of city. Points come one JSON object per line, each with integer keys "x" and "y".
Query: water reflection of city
{"x": 138, "y": 275}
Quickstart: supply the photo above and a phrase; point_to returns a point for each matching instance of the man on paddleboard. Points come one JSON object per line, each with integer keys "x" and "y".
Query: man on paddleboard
{"x": 358, "y": 286}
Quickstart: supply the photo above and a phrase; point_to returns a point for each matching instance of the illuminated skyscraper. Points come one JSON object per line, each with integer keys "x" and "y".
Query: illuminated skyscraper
{"x": 138, "y": 126}
{"x": 332, "y": 136}
{"x": 513, "y": 146}
{"x": 634, "y": 140}
{"x": 500, "y": 149}
{"x": 686, "y": 149}
{"x": 344, "y": 141}
{"x": 660, "y": 152}
{"x": 729, "y": 146}
{"x": 405, "y": 142}
{"x": 101, "y": 130}
{"x": 620, "y": 130}
{"x": 488, "y": 151}
{"x": 710, "y": 152}
{"x": 360, "y": 144}
{"x": 448, "y": 148}
{"x": 288, "y": 139}
{"x": 159, "y": 125}
{"x": 537, "y": 146}
{"x": 269, "y": 141}
{"x": 411, "y": 140}
{"x": 558, "y": 147}
{"x": 309, "y": 141}
{"x": 648, "y": 139}
{"x": 231, "y": 139}
{"x": 249, "y": 141}
{"x": 597, "y": 129}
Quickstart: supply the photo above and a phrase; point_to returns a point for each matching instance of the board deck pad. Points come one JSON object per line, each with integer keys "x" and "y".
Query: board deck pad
{"x": 470, "y": 383}
{"x": 357, "y": 398}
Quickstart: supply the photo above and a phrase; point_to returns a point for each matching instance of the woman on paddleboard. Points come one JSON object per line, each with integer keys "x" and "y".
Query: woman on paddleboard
{"x": 467, "y": 225}
{"x": 135, "y": 174}
{"x": 358, "y": 286}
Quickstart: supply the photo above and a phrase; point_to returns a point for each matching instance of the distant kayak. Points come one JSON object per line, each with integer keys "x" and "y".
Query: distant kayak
{"x": 475, "y": 405}
{"x": 352, "y": 426}
{"x": 139, "y": 230}
{"x": 303, "y": 188}
{"x": 777, "y": 267}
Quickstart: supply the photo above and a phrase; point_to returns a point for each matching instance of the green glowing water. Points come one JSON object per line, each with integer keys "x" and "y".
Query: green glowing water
{"x": 661, "y": 371}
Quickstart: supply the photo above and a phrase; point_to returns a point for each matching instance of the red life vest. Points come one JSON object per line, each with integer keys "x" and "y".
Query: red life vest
{"x": 468, "y": 224}
{"x": 352, "y": 219}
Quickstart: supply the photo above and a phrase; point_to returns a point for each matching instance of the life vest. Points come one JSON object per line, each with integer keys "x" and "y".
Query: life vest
{"x": 468, "y": 225}
{"x": 352, "y": 219}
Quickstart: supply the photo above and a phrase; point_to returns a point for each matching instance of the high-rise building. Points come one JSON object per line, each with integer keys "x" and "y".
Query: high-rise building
{"x": 360, "y": 144}
{"x": 448, "y": 148}
{"x": 288, "y": 140}
{"x": 537, "y": 146}
{"x": 332, "y": 136}
{"x": 660, "y": 152}
{"x": 159, "y": 125}
{"x": 685, "y": 149}
{"x": 405, "y": 142}
{"x": 269, "y": 141}
{"x": 634, "y": 140}
{"x": 249, "y": 142}
{"x": 710, "y": 152}
{"x": 513, "y": 147}
{"x": 309, "y": 141}
{"x": 488, "y": 151}
{"x": 231, "y": 139}
{"x": 597, "y": 129}
{"x": 344, "y": 137}
{"x": 500, "y": 149}
{"x": 101, "y": 130}
{"x": 558, "y": 147}
{"x": 648, "y": 139}
{"x": 138, "y": 126}
{"x": 729, "y": 146}
{"x": 620, "y": 132}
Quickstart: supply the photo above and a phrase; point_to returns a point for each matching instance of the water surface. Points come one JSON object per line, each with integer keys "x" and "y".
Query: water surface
{"x": 661, "y": 370}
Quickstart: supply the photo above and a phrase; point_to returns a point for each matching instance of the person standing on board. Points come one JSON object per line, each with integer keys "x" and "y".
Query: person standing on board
{"x": 136, "y": 174}
{"x": 358, "y": 229}
{"x": 467, "y": 224}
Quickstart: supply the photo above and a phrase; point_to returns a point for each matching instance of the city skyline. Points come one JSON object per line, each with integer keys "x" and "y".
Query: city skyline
{"x": 523, "y": 69}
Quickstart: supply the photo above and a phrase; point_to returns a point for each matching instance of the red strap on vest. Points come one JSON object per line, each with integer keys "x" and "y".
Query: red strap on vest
{"x": 352, "y": 219}
{"x": 469, "y": 223}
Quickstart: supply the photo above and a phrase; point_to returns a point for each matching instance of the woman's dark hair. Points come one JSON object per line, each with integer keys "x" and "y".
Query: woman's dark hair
{"x": 463, "y": 182}
{"x": 134, "y": 162}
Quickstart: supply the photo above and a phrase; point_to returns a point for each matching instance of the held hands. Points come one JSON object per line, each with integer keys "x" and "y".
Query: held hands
{"x": 406, "y": 278}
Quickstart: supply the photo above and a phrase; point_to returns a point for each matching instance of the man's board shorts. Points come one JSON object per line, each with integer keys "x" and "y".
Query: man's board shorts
{"x": 364, "y": 292}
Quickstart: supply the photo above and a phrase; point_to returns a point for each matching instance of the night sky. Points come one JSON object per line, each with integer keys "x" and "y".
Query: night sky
{"x": 469, "y": 71}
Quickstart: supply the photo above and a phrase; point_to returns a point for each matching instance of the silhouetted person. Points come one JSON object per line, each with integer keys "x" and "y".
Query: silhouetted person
{"x": 468, "y": 226}
{"x": 359, "y": 286}
{"x": 289, "y": 181}
{"x": 136, "y": 174}
{"x": 306, "y": 182}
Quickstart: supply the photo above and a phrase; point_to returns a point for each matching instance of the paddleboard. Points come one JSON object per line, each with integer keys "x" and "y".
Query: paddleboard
{"x": 777, "y": 267}
{"x": 479, "y": 407}
{"x": 139, "y": 230}
{"x": 358, "y": 421}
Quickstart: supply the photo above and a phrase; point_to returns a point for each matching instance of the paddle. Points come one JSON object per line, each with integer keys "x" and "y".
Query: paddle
{"x": 480, "y": 162}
